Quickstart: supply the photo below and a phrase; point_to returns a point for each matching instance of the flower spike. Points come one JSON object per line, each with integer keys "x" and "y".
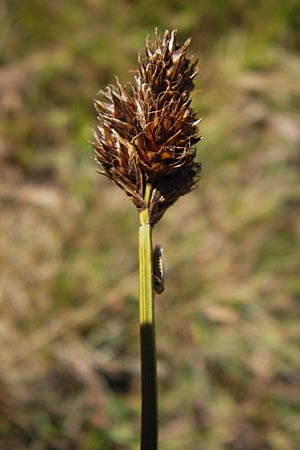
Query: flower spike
{"x": 146, "y": 134}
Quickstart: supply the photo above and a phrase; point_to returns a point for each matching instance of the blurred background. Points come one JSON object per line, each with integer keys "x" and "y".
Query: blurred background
{"x": 228, "y": 322}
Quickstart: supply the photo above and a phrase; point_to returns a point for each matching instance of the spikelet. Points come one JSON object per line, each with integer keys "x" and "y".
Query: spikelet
{"x": 147, "y": 130}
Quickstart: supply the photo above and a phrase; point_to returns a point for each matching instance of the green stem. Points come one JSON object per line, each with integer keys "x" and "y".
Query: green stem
{"x": 149, "y": 426}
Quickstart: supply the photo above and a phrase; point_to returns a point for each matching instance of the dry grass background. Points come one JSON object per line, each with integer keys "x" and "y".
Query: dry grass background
{"x": 228, "y": 323}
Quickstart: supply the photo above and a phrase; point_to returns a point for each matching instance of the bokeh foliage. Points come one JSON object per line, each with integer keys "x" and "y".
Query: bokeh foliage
{"x": 228, "y": 322}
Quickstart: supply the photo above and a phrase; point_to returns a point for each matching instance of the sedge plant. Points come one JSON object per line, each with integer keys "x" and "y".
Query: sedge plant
{"x": 144, "y": 142}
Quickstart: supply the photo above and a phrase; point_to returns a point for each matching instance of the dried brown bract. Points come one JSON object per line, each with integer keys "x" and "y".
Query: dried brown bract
{"x": 147, "y": 131}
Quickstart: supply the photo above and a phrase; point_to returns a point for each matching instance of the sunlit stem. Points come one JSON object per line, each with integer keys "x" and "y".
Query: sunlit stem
{"x": 149, "y": 425}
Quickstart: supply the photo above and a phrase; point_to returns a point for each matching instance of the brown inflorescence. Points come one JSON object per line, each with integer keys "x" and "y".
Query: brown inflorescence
{"x": 147, "y": 131}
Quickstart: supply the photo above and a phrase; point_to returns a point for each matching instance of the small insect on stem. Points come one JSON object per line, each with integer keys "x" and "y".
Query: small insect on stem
{"x": 158, "y": 269}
